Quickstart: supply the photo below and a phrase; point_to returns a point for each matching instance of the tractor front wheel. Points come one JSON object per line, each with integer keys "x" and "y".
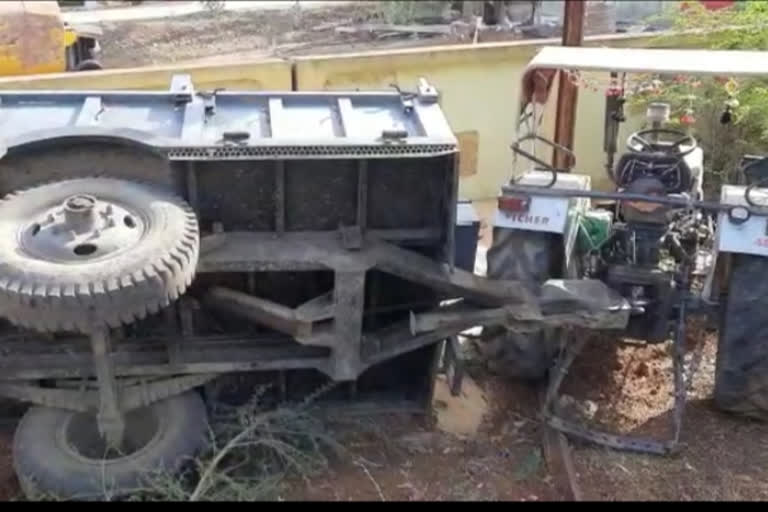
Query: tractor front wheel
{"x": 741, "y": 375}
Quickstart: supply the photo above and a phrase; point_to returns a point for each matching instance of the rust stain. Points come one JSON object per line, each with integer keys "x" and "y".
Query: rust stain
{"x": 468, "y": 147}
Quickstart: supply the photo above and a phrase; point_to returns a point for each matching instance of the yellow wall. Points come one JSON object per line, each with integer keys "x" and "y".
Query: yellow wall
{"x": 272, "y": 74}
{"x": 479, "y": 86}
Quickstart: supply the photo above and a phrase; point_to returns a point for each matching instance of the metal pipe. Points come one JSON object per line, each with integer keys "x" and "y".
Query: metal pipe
{"x": 465, "y": 319}
{"x": 260, "y": 311}
{"x": 111, "y": 421}
{"x": 619, "y": 196}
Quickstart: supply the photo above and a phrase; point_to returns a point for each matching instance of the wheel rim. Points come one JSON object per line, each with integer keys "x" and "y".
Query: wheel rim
{"x": 80, "y": 436}
{"x": 82, "y": 229}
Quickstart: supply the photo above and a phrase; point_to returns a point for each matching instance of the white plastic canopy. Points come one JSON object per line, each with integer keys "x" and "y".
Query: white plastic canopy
{"x": 635, "y": 60}
{"x": 541, "y": 70}
{"x": 643, "y": 60}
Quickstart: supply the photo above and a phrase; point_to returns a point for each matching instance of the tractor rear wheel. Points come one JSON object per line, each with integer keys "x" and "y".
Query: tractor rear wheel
{"x": 741, "y": 374}
{"x": 531, "y": 258}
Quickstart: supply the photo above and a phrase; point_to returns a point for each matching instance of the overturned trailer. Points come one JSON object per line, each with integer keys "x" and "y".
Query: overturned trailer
{"x": 161, "y": 243}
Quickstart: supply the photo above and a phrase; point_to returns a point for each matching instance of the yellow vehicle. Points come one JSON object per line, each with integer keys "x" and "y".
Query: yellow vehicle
{"x": 34, "y": 39}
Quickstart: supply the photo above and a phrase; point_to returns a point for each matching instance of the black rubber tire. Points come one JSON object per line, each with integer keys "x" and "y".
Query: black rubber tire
{"x": 47, "y": 468}
{"x": 741, "y": 370}
{"x": 115, "y": 289}
{"x": 530, "y": 257}
{"x": 89, "y": 65}
{"x": 79, "y": 159}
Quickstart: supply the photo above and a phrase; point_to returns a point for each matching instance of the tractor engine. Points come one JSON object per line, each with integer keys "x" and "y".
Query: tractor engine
{"x": 652, "y": 247}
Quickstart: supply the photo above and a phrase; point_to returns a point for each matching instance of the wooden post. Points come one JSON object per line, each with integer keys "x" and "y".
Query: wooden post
{"x": 567, "y": 94}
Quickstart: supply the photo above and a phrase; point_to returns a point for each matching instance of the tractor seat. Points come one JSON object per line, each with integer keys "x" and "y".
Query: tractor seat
{"x": 672, "y": 171}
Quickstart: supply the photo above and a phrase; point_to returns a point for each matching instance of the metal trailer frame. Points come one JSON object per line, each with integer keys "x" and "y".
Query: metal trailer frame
{"x": 189, "y": 128}
{"x": 113, "y": 371}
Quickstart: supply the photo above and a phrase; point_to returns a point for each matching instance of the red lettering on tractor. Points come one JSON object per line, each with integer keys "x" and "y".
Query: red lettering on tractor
{"x": 530, "y": 219}
{"x": 761, "y": 242}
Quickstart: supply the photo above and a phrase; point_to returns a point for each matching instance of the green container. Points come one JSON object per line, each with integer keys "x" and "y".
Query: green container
{"x": 594, "y": 229}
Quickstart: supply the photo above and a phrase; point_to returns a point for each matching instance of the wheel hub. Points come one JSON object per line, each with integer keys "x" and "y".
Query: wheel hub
{"x": 82, "y": 228}
{"x": 78, "y": 212}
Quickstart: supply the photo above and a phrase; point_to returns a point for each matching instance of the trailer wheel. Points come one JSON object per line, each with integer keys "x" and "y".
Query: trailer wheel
{"x": 89, "y": 65}
{"x": 59, "y": 454}
{"x": 88, "y": 250}
{"x": 741, "y": 374}
{"x": 529, "y": 257}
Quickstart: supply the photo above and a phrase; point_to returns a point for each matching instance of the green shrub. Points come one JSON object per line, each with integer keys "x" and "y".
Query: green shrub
{"x": 743, "y": 27}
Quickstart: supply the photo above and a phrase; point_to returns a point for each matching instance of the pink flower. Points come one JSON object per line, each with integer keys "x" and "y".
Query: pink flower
{"x": 687, "y": 119}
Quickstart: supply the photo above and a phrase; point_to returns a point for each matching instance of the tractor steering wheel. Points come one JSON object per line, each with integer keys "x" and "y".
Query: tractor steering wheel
{"x": 638, "y": 138}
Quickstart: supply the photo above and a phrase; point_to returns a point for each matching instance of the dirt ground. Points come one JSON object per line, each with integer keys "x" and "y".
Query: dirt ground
{"x": 627, "y": 387}
{"x": 723, "y": 457}
{"x": 224, "y": 36}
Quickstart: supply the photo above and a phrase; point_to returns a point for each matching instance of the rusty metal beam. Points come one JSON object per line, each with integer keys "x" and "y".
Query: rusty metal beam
{"x": 318, "y": 309}
{"x": 149, "y": 357}
{"x": 559, "y": 459}
{"x": 88, "y": 400}
{"x": 256, "y": 309}
{"x": 567, "y": 94}
{"x": 587, "y": 312}
{"x": 417, "y": 268}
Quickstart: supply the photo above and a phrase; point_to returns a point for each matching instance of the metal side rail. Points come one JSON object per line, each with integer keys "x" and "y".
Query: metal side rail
{"x": 617, "y": 441}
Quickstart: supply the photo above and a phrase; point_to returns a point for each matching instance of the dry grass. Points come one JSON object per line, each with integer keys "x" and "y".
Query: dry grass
{"x": 251, "y": 453}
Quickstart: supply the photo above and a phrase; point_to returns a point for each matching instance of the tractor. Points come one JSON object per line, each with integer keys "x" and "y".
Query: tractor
{"x": 654, "y": 238}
